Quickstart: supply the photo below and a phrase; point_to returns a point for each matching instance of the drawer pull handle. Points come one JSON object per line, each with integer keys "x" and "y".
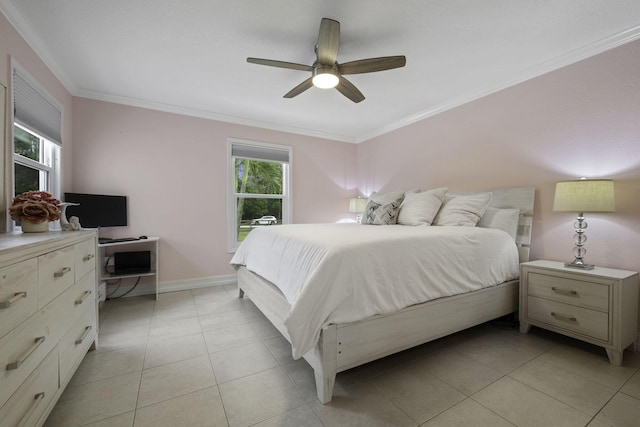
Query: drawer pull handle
{"x": 83, "y": 297}
{"x": 14, "y": 299}
{"x": 84, "y": 335}
{"x": 564, "y": 317}
{"x": 38, "y": 398}
{"x": 564, "y": 291}
{"x": 25, "y": 356}
{"x": 88, "y": 257}
{"x": 62, "y": 272}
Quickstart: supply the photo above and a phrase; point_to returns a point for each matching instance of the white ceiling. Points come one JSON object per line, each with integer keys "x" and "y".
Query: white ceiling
{"x": 190, "y": 56}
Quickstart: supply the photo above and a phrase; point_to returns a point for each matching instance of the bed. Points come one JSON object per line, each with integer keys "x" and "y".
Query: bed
{"x": 334, "y": 337}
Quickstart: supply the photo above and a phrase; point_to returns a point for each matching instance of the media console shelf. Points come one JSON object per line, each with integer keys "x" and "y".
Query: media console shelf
{"x": 106, "y": 251}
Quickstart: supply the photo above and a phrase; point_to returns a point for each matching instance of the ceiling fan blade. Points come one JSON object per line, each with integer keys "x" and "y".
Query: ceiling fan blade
{"x": 347, "y": 88}
{"x": 372, "y": 64}
{"x": 280, "y": 64}
{"x": 299, "y": 89}
{"x": 328, "y": 41}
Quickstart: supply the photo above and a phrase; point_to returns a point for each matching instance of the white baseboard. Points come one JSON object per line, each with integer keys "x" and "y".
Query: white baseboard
{"x": 204, "y": 282}
{"x": 173, "y": 286}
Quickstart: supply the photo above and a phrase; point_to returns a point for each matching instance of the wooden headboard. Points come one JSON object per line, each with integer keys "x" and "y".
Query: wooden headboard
{"x": 521, "y": 198}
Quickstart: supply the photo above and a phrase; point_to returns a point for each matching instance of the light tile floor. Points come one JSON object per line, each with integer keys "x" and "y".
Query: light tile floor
{"x": 207, "y": 358}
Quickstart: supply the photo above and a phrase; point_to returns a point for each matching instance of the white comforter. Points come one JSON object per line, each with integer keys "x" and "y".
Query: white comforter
{"x": 339, "y": 273}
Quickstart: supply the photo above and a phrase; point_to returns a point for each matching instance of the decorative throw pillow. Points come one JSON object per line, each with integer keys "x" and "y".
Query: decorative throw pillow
{"x": 463, "y": 210}
{"x": 386, "y": 198}
{"x": 421, "y": 208}
{"x": 502, "y": 219}
{"x": 379, "y": 214}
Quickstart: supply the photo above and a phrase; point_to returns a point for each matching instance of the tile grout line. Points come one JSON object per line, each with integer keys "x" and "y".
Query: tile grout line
{"x": 206, "y": 346}
{"x": 144, "y": 358}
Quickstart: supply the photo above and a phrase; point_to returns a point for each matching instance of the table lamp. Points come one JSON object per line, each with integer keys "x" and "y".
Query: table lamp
{"x": 584, "y": 195}
{"x": 357, "y": 205}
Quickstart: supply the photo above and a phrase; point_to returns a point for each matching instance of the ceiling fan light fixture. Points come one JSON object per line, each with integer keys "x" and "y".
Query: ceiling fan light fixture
{"x": 326, "y": 73}
{"x": 325, "y": 77}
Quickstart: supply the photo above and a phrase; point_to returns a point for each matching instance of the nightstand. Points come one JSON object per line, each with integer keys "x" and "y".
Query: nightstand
{"x": 599, "y": 306}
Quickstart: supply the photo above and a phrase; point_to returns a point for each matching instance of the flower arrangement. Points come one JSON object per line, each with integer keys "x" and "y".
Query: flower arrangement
{"x": 35, "y": 206}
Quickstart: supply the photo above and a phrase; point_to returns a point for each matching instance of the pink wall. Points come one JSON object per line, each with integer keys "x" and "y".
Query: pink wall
{"x": 578, "y": 121}
{"x": 173, "y": 169}
{"x": 582, "y": 120}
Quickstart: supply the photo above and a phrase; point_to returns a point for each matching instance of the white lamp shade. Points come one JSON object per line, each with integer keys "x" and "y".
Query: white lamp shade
{"x": 585, "y": 195}
{"x": 357, "y": 205}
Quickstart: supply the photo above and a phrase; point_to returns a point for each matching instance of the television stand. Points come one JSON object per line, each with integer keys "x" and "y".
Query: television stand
{"x": 107, "y": 248}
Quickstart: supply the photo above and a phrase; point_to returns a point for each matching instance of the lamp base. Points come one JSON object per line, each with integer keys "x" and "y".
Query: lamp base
{"x": 579, "y": 264}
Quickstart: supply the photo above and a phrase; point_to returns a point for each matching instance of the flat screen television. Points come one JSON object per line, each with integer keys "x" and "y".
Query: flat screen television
{"x": 97, "y": 210}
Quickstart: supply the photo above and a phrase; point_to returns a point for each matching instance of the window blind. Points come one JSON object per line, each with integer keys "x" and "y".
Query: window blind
{"x": 255, "y": 152}
{"x": 34, "y": 109}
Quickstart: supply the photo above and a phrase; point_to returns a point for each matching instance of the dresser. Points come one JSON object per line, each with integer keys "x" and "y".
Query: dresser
{"x": 48, "y": 318}
{"x": 599, "y": 306}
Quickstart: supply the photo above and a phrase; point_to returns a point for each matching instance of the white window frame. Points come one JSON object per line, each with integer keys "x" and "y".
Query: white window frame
{"x": 49, "y": 155}
{"x": 51, "y": 152}
{"x": 232, "y": 196}
{"x": 49, "y": 168}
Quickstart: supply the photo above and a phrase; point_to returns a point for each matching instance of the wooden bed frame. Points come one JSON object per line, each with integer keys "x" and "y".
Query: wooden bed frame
{"x": 344, "y": 346}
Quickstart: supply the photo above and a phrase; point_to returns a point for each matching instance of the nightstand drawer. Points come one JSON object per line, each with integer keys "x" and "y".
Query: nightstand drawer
{"x": 580, "y": 293}
{"x": 583, "y": 321}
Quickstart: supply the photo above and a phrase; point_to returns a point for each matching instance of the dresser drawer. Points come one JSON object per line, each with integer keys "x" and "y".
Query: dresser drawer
{"x": 75, "y": 343}
{"x": 18, "y": 294}
{"x": 77, "y": 299}
{"x": 592, "y": 323}
{"x": 22, "y": 349}
{"x": 55, "y": 274}
{"x": 85, "y": 258}
{"x": 31, "y": 399}
{"x": 580, "y": 293}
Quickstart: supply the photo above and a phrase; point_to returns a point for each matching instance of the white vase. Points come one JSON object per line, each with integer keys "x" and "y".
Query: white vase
{"x": 64, "y": 223}
{"x": 32, "y": 227}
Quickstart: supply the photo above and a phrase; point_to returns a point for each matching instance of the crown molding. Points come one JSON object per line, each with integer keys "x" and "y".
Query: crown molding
{"x": 24, "y": 28}
{"x": 192, "y": 112}
{"x": 21, "y": 24}
{"x": 572, "y": 57}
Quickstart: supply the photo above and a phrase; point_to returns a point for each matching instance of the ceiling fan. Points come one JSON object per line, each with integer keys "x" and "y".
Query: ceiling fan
{"x": 326, "y": 72}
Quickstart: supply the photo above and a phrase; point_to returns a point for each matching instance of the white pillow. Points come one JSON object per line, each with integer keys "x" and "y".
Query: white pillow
{"x": 421, "y": 208}
{"x": 463, "y": 210}
{"x": 502, "y": 219}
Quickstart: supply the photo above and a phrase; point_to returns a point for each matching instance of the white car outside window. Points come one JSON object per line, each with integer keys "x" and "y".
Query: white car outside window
{"x": 266, "y": 220}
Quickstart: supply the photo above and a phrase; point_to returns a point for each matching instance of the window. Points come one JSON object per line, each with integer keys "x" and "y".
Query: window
{"x": 259, "y": 188}
{"x": 34, "y": 160}
{"x": 36, "y": 135}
